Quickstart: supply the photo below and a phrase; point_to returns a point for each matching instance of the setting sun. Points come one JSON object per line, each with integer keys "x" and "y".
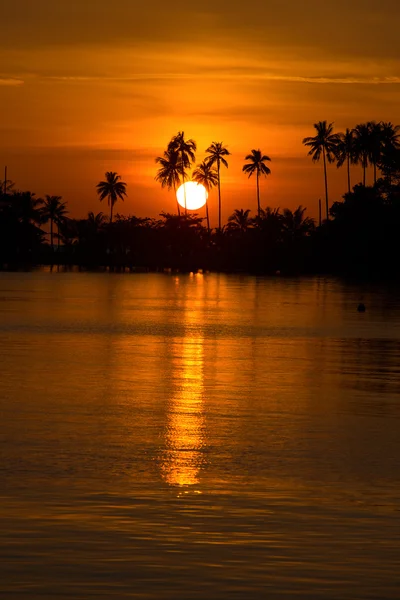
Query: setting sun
{"x": 192, "y": 195}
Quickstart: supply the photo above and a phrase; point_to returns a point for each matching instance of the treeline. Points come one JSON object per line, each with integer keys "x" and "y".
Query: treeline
{"x": 360, "y": 238}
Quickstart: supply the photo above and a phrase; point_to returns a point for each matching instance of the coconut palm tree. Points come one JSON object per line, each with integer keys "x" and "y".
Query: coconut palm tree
{"x": 186, "y": 150}
{"x": 345, "y": 152}
{"x": 53, "y": 210}
{"x": 207, "y": 176}
{"x": 216, "y": 153}
{"x": 390, "y": 151}
{"x": 362, "y": 146}
{"x": 295, "y": 224}
{"x": 170, "y": 171}
{"x": 256, "y": 165}
{"x": 112, "y": 189}
{"x": 376, "y": 144}
{"x": 96, "y": 222}
{"x": 239, "y": 220}
{"x": 323, "y": 143}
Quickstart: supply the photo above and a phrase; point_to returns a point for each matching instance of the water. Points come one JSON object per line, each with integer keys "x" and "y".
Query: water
{"x": 198, "y": 437}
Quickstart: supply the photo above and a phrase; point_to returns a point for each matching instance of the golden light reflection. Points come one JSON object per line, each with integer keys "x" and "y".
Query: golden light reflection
{"x": 184, "y": 437}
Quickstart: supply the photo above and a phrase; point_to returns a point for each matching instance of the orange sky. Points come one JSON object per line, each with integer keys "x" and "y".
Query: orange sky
{"x": 92, "y": 86}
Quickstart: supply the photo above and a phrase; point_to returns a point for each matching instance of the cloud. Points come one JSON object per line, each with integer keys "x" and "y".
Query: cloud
{"x": 10, "y": 81}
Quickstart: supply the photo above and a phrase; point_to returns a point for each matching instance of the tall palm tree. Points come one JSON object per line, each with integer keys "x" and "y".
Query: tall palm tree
{"x": 186, "y": 149}
{"x": 207, "y": 176}
{"x": 169, "y": 173}
{"x": 345, "y": 152}
{"x": 112, "y": 189}
{"x": 53, "y": 210}
{"x": 239, "y": 220}
{"x": 376, "y": 144}
{"x": 256, "y": 165}
{"x": 362, "y": 146}
{"x": 323, "y": 143}
{"x": 390, "y": 151}
{"x": 216, "y": 153}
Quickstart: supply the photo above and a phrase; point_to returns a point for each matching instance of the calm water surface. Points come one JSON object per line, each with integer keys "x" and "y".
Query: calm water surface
{"x": 198, "y": 437}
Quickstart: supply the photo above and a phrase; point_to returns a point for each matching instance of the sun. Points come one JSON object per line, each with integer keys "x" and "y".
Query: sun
{"x": 191, "y": 195}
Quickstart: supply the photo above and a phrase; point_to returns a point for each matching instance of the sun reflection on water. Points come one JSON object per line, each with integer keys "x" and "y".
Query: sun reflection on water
{"x": 184, "y": 434}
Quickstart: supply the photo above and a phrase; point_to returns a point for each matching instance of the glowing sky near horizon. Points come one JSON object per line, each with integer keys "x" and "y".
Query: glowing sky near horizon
{"x": 86, "y": 88}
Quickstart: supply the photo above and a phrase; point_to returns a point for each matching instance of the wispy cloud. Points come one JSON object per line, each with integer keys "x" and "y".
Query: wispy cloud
{"x": 10, "y": 81}
{"x": 134, "y": 78}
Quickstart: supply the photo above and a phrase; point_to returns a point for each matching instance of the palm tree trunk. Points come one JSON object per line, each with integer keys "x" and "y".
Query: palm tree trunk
{"x": 258, "y": 195}
{"x": 111, "y": 210}
{"x": 326, "y": 186}
{"x": 58, "y": 242}
{"x": 51, "y": 233}
{"x": 219, "y": 198}
{"x": 348, "y": 173}
{"x": 374, "y": 173}
{"x": 183, "y": 181}
{"x": 364, "y": 170}
{"x": 208, "y": 217}
{"x": 177, "y": 203}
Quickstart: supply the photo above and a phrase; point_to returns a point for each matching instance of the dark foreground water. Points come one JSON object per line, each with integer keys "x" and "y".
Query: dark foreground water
{"x": 198, "y": 437}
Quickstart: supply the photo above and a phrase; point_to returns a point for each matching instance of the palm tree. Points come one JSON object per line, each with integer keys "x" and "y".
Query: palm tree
{"x": 256, "y": 165}
{"x": 362, "y": 146}
{"x": 169, "y": 173}
{"x": 295, "y": 224}
{"x": 323, "y": 143}
{"x": 96, "y": 222}
{"x": 216, "y": 153}
{"x": 207, "y": 176}
{"x": 390, "y": 151}
{"x": 240, "y": 220}
{"x": 53, "y": 210}
{"x": 186, "y": 149}
{"x": 345, "y": 152}
{"x": 376, "y": 144}
{"x": 112, "y": 189}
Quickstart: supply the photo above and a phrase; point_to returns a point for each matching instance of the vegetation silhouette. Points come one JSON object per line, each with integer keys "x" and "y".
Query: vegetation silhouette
{"x": 207, "y": 176}
{"x": 112, "y": 189}
{"x": 345, "y": 152}
{"x": 359, "y": 238}
{"x": 53, "y": 210}
{"x": 216, "y": 155}
{"x": 325, "y": 143}
{"x": 257, "y": 166}
{"x": 170, "y": 171}
{"x": 186, "y": 149}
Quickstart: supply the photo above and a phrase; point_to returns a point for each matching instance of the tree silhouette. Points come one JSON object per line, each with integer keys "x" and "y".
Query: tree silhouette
{"x": 112, "y": 189}
{"x": 345, "y": 152}
{"x": 96, "y": 222}
{"x": 6, "y": 186}
{"x": 256, "y": 165}
{"x": 186, "y": 149}
{"x": 53, "y": 210}
{"x": 239, "y": 220}
{"x": 207, "y": 176}
{"x": 362, "y": 145}
{"x": 170, "y": 171}
{"x": 390, "y": 151}
{"x": 216, "y": 155}
{"x": 295, "y": 224}
{"x": 323, "y": 143}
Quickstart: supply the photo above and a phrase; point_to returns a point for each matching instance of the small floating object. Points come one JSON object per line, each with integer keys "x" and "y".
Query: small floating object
{"x": 361, "y": 307}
